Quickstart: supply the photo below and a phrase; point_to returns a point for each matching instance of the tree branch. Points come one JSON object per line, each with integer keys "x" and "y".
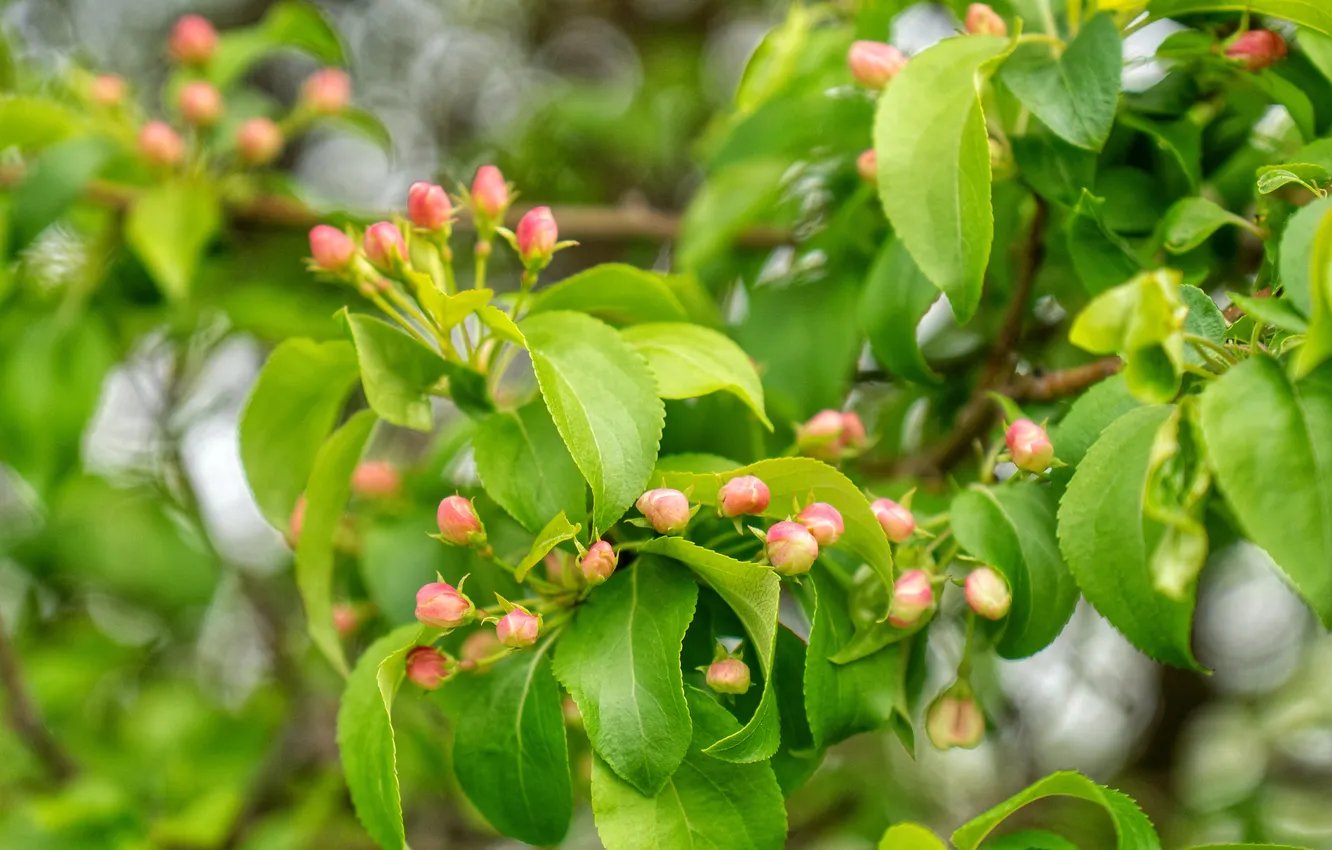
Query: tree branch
{"x": 23, "y": 716}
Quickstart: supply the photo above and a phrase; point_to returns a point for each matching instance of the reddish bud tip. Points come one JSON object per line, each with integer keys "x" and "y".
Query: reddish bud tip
{"x": 346, "y": 619}
{"x": 160, "y": 145}
{"x": 428, "y": 206}
{"x": 987, "y": 593}
{"x": 193, "y": 40}
{"x": 108, "y": 90}
{"x": 599, "y": 562}
{"x": 744, "y": 495}
{"x": 666, "y": 509}
{"x": 427, "y": 667}
{"x": 536, "y": 236}
{"x": 327, "y": 91}
{"x": 823, "y": 521}
{"x": 913, "y": 595}
{"x": 830, "y": 435}
{"x": 384, "y": 244}
{"x": 867, "y": 164}
{"x": 790, "y": 548}
{"x": 897, "y": 521}
{"x": 297, "y": 520}
{"x": 439, "y": 604}
{"x": 490, "y": 195}
{"x": 258, "y": 141}
{"x": 479, "y": 645}
{"x": 331, "y": 248}
{"x": 874, "y": 63}
{"x": 1257, "y": 49}
{"x": 854, "y": 438}
{"x": 518, "y": 628}
{"x": 376, "y": 479}
{"x": 458, "y": 522}
{"x": 728, "y": 676}
{"x": 954, "y": 721}
{"x": 1029, "y": 445}
{"x": 200, "y": 103}
{"x": 982, "y": 20}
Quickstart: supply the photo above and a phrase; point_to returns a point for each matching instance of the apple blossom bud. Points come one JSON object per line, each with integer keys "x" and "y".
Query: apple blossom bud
{"x": 728, "y": 676}
{"x": 982, "y": 20}
{"x": 384, "y": 244}
{"x": 823, "y": 521}
{"x": 160, "y": 145}
{"x": 666, "y": 509}
{"x": 557, "y": 564}
{"x": 258, "y": 141}
{"x": 458, "y": 522}
{"x": 536, "y": 236}
{"x": 987, "y": 593}
{"x": 200, "y": 103}
{"x": 954, "y": 721}
{"x": 297, "y": 520}
{"x": 744, "y": 495}
{"x": 599, "y": 562}
{"x": 193, "y": 40}
{"x": 853, "y": 433}
{"x": 821, "y": 436}
{"x": 490, "y": 195}
{"x": 1029, "y": 445}
{"x": 897, "y": 521}
{"x": 913, "y": 595}
{"x": 1257, "y": 49}
{"x": 375, "y": 479}
{"x": 327, "y": 91}
{"x": 439, "y": 604}
{"x": 874, "y": 63}
{"x": 867, "y": 164}
{"x": 479, "y": 645}
{"x": 518, "y": 628}
{"x": 331, "y": 248}
{"x": 346, "y": 619}
{"x": 427, "y": 667}
{"x": 790, "y": 548}
{"x": 428, "y": 206}
{"x": 108, "y": 90}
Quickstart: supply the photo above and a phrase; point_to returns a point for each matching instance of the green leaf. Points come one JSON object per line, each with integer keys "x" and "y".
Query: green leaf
{"x": 708, "y": 803}
{"x": 1102, "y": 259}
{"x": 1012, "y": 528}
{"x": 1134, "y": 830}
{"x": 1296, "y": 255}
{"x": 934, "y": 164}
{"x": 910, "y": 836}
{"x": 1285, "y": 93}
{"x": 1279, "y": 312}
{"x": 615, "y": 293}
{"x": 694, "y": 463}
{"x": 1205, "y": 319}
{"x": 1309, "y": 13}
{"x": 365, "y": 124}
{"x": 603, "y": 400}
{"x": 1317, "y": 345}
{"x": 396, "y": 371}
{"x": 326, "y": 497}
{"x": 1190, "y": 221}
{"x": 365, "y": 735}
{"x": 288, "y": 24}
{"x": 1075, "y": 93}
{"x": 1087, "y": 418}
{"x": 1031, "y": 839}
{"x": 557, "y": 531}
{"x": 690, "y": 361}
{"x": 1107, "y": 542}
{"x": 1142, "y": 321}
{"x": 525, "y": 466}
{"x": 509, "y": 750}
{"x": 1275, "y": 469}
{"x": 753, "y": 592}
{"x": 467, "y": 390}
{"x": 1054, "y": 169}
{"x": 731, "y": 199}
{"x": 32, "y": 123}
{"x": 896, "y": 296}
{"x": 1307, "y": 174}
{"x": 293, "y": 406}
{"x": 805, "y": 480}
{"x": 1181, "y": 139}
{"x": 54, "y": 181}
{"x": 499, "y": 322}
{"x": 169, "y": 226}
{"x": 620, "y": 661}
{"x": 1318, "y": 49}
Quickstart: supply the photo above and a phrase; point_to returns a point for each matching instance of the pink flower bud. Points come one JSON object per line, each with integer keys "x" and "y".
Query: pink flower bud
{"x": 479, "y": 645}
{"x": 375, "y": 479}
{"x": 982, "y": 20}
{"x": 458, "y": 522}
{"x": 160, "y": 145}
{"x": 428, "y": 206}
{"x": 599, "y": 562}
{"x": 193, "y": 40}
{"x": 327, "y": 91}
{"x": 439, "y": 604}
{"x": 108, "y": 90}
{"x": 913, "y": 595}
{"x": 821, "y": 436}
{"x": 536, "y": 236}
{"x": 867, "y": 164}
{"x": 331, "y": 248}
{"x": 518, "y": 628}
{"x": 666, "y": 509}
{"x": 427, "y": 667}
{"x": 490, "y": 195}
{"x": 897, "y": 521}
{"x": 1257, "y": 49}
{"x": 297, "y": 520}
{"x": 744, "y": 495}
{"x": 987, "y": 593}
{"x": 384, "y": 244}
{"x": 954, "y": 721}
{"x": 790, "y": 548}
{"x": 874, "y": 64}
{"x": 823, "y": 521}
{"x": 557, "y": 565}
{"x": 853, "y": 433}
{"x": 728, "y": 676}
{"x": 1029, "y": 445}
{"x": 258, "y": 141}
{"x": 200, "y": 103}
{"x": 346, "y": 619}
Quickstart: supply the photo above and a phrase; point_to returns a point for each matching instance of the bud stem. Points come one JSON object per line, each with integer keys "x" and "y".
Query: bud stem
{"x": 482, "y": 255}
{"x": 964, "y": 666}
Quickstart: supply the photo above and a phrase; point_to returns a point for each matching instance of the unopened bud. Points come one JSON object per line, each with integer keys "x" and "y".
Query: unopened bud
{"x": 1257, "y": 49}
{"x": 1029, "y": 445}
{"x": 518, "y": 628}
{"x": 193, "y": 40}
{"x": 327, "y": 91}
{"x": 821, "y": 436}
{"x": 346, "y": 619}
{"x": 384, "y": 244}
{"x": 790, "y": 548}
{"x": 376, "y": 479}
{"x": 427, "y": 667}
{"x": 874, "y": 63}
{"x": 108, "y": 90}
{"x": 200, "y": 103}
{"x": 458, "y": 522}
{"x": 259, "y": 141}
{"x": 490, "y": 194}
{"x": 536, "y": 236}
{"x": 744, "y": 495}
{"x": 160, "y": 145}
{"x": 297, "y": 520}
{"x": 854, "y": 438}
{"x": 913, "y": 595}
{"x": 982, "y": 20}
{"x": 428, "y": 206}
{"x": 331, "y": 248}
{"x": 666, "y": 510}
{"x": 479, "y": 646}
{"x": 987, "y": 593}
{"x": 728, "y": 676}
{"x": 823, "y": 521}
{"x": 599, "y": 562}
{"x": 867, "y": 164}
{"x": 439, "y": 604}
{"x": 954, "y": 721}
{"x": 897, "y": 521}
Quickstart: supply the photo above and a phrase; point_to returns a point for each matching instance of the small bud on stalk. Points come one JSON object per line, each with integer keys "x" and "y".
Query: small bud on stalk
{"x": 897, "y": 521}
{"x": 108, "y": 90}
{"x": 331, "y": 249}
{"x": 831, "y": 434}
{"x": 790, "y": 548}
{"x": 874, "y": 63}
{"x": 982, "y": 20}
{"x": 599, "y": 562}
{"x": 258, "y": 141}
{"x": 518, "y": 628}
{"x": 913, "y": 595}
{"x": 346, "y": 619}
{"x": 536, "y": 236}
{"x": 458, "y": 522}
{"x": 200, "y": 103}
{"x": 954, "y": 720}
{"x": 667, "y": 510}
{"x": 326, "y": 91}
{"x": 823, "y": 521}
{"x": 728, "y": 676}
{"x": 1029, "y": 445}
{"x": 427, "y": 667}
{"x": 376, "y": 479}
{"x": 193, "y": 40}
{"x": 428, "y": 206}
{"x": 489, "y": 195}
{"x": 744, "y": 495}
{"x": 479, "y": 645}
{"x": 160, "y": 145}
{"x": 867, "y": 164}
{"x": 1257, "y": 49}
{"x": 987, "y": 593}
{"x": 441, "y": 605}
{"x": 384, "y": 245}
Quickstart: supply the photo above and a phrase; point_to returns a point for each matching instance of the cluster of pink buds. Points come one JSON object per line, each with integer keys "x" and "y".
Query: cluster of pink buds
{"x": 666, "y": 510}
{"x": 427, "y": 667}
{"x": 897, "y": 521}
{"x": 1257, "y": 49}
{"x": 987, "y": 593}
{"x": 1029, "y": 446}
{"x": 913, "y": 598}
{"x": 459, "y": 523}
{"x": 874, "y": 63}
{"x": 443, "y": 606}
{"x": 982, "y": 20}
{"x": 955, "y": 720}
{"x": 728, "y": 675}
{"x": 831, "y": 435}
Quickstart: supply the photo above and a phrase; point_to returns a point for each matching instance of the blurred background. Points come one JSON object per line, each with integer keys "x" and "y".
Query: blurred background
{"x": 149, "y": 608}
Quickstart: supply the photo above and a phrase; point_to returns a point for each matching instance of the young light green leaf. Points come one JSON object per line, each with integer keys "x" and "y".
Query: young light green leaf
{"x": 1309, "y": 13}
{"x": 1318, "y": 50}
{"x": 1190, "y": 221}
{"x": 690, "y": 361}
{"x": 934, "y": 164}
{"x": 525, "y": 466}
{"x": 53, "y": 182}
{"x": 910, "y": 836}
{"x": 326, "y": 497}
{"x": 707, "y": 803}
{"x": 288, "y": 24}
{"x": 1317, "y": 346}
{"x": 499, "y": 322}
{"x": 1142, "y": 321}
{"x": 557, "y": 531}
{"x": 615, "y": 293}
{"x": 620, "y": 661}
{"x": 168, "y": 227}
{"x": 1307, "y": 174}
{"x": 1031, "y": 839}
{"x": 603, "y": 399}
{"x": 1086, "y": 419}
{"x": 397, "y": 372}
{"x": 895, "y": 298}
{"x": 1278, "y": 312}
{"x": 1296, "y": 253}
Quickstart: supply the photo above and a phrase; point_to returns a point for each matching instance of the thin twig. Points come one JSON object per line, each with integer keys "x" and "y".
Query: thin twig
{"x": 23, "y": 716}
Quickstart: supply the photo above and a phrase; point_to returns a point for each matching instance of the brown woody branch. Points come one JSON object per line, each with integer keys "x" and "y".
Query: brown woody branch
{"x": 23, "y": 716}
